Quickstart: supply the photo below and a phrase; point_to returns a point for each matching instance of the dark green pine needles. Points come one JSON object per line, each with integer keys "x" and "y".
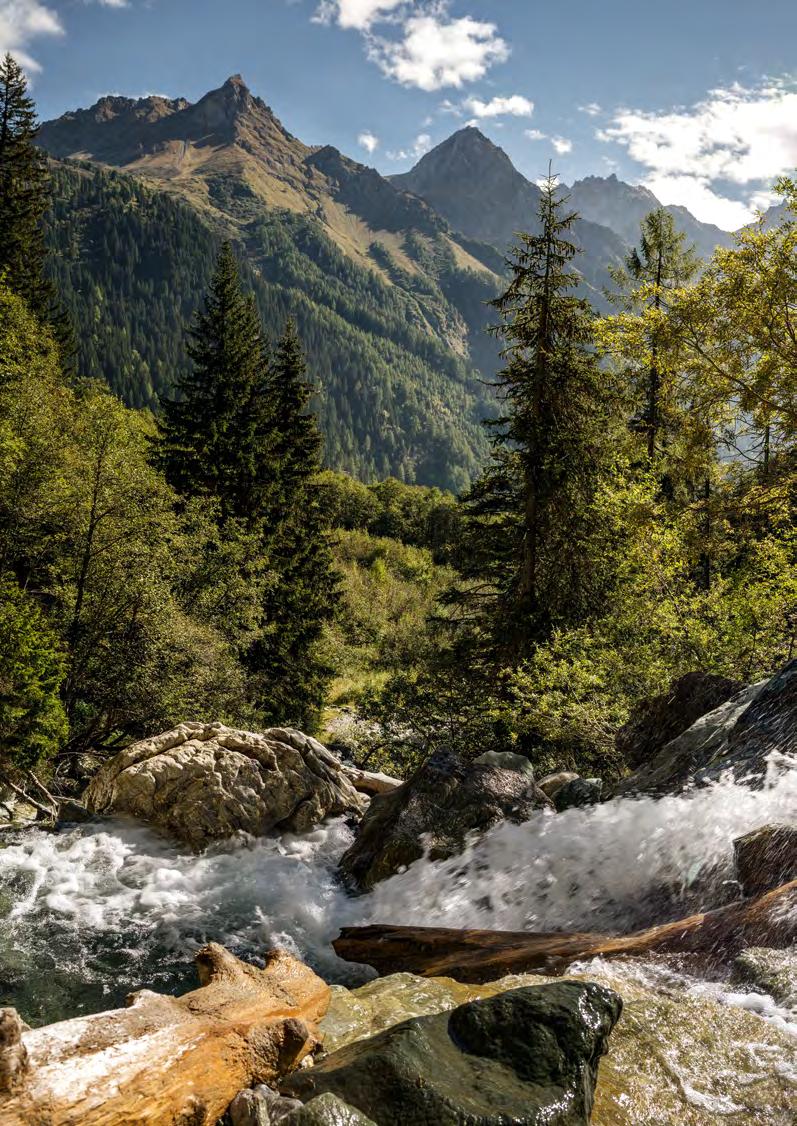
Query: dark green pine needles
{"x": 242, "y": 433}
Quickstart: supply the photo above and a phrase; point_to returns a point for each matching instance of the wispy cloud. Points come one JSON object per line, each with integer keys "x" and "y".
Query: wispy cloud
{"x": 420, "y": 146}
{"x": 368, "y": 141}
{"x": 356, "y": 14}
{"x": 561, "y": 145}
{"x": 717, "y": 156}
{"x": 23, "y": 21}
{"x": 591, "y": 109}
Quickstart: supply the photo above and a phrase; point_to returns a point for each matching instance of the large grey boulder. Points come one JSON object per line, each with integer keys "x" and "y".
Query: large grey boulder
{"x": 527, "y": 1056}
{"x": 206, "y": 782}
{"x": 435, "y": 810}
{"x": 657, "y": 720}
{"x": 742, "y": 736}
{"x": 766, "y": 858}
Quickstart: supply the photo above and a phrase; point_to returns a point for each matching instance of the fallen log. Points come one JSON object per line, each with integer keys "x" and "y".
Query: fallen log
{"x": 164, "y": 1061}
{"x": 478, "y": 956}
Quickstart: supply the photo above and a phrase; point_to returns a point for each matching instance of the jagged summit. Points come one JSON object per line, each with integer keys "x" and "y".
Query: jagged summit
{"x": 127, "y": 131}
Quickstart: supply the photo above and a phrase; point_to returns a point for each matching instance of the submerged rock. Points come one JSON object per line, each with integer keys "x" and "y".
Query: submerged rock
{"x": 527, "y": 1056}
{"x": 766, "y": 858}
{"x": 435, "y": 810}
{"x": 206, "y": 782}
{"x": 552, "y": 783}
{"x": 772, "y": 971}
{"x": 657, "y": 720}
{"x": 676, "y": 1057}
{"x": 742, "y": 736}
{"x": 578, "y": 792}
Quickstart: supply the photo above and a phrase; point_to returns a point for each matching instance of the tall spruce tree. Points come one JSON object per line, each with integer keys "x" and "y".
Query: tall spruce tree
{"x": 534, "y": 559}
{"x": 24, "y": 199}
{"x": 304, "y": 593}
{"x": 216, "y": 437}
{"x": 660, "y": 265}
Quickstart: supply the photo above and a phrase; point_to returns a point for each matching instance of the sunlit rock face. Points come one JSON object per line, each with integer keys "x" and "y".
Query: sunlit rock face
{"x": 435, "y": 810}
{"x": 206, "y": 782}
{"x": 683, "y": 1053}
{"x": 745, "y": 736}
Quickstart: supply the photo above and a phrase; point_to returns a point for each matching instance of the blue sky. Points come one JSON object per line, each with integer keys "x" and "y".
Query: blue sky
{"x": 696, "y": 99}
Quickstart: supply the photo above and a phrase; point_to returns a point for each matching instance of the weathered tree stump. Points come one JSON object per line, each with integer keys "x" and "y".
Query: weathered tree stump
{"x": 164, "y": 1061}
{"x": 478, "y": 956}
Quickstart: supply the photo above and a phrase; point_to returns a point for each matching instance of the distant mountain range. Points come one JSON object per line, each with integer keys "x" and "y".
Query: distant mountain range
{"x": 387, "y": 277}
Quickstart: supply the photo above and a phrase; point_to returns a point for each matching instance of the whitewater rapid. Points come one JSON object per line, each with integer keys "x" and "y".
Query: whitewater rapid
{"x": 94, "y": 911}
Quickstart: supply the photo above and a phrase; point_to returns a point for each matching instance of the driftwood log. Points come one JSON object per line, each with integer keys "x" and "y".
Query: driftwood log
{"x": 164, "y": 1061}
{"x": 478, "y": 956}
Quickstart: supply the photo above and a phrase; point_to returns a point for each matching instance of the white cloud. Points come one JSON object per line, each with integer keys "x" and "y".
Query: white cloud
{"x": 591, "y": 109}
{"x": 436, "y": 52}
{"x": 561, "y": 144}
{"x": 368, "y": 141}
{"x": 421, "y": 145}
{"x": 515, "y": 105}
{"x": 356, "y": 14}
{"x": 718, "y": 155}
{"x": 22, "y": 21}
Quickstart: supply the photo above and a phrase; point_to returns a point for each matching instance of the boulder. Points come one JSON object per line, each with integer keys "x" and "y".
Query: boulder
{"x": 526, "y": 1056}
{"x": 578, "y": 792}
{"x": 766, "y": 858}
{"x": 327, "y": 1110}
{"x": 744, "y": 736}
{"x": 507, "y": 760}
{"x": 206, "y": 782}
{"x": 662, "y": 1037}
{"x": 435, "y": 810}
{"x": 657, "y": 720}
{"x": 551, "y": 784}
{"x": 772, "y": 971}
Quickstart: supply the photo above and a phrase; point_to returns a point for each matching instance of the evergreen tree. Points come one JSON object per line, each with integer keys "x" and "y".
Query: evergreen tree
{"x": 215, "y": 437}
{"x": 304, "y": 592}
{"x": 534, "y": 560}
{"x": 662, "y": 264}
{"x": 24, "y": 198}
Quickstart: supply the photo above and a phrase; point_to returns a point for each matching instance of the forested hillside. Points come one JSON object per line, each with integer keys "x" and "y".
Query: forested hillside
{"x": 394, "y": 397}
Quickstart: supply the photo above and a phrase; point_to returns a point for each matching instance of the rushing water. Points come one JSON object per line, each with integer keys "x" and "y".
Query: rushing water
{"x": 91, "y": 912}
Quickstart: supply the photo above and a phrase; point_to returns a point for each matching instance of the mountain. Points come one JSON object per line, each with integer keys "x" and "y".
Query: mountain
{"x": 389, "y": 302}
{"x": 474, "y": 185}
{"x": 622, "y": 207}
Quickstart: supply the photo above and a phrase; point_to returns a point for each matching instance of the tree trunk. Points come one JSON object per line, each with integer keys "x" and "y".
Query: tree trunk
{"x": 164, "y": 1061}
{"x": 477, "y": 956}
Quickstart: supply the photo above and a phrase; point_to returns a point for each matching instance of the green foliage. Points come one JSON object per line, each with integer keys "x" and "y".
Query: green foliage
{"x": 32, "y": 717}
{"x": 533, "y": 554}
{"x": 24, "y": 194}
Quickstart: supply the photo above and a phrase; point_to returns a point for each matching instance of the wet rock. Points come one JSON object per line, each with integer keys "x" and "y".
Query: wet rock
{"x": 578, "y": 792}
{"x": 552, "y": 783}
{"x": 526, "y": 1056}
{"x": 327, "y": 1110}
{"x": 772, "y": 971}
{"x": 766, "y": 858}
{"x": 676, "y": 1058}
{"x": 71, "y": 812}
{"x": 206, "y": 782}
{"x": 751, "y": 733}
{"x": 436, "y": 809}
{"x": 657, "y": 720}
{"x": 260, "y": 1106}
{"x": 506, "y": 760}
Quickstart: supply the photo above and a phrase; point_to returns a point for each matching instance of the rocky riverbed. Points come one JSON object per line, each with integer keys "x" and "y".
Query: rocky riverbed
{"x": 94, "y": 910}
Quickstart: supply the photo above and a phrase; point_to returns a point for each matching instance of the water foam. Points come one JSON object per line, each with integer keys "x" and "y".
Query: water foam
{"x": 94, "y": 911}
